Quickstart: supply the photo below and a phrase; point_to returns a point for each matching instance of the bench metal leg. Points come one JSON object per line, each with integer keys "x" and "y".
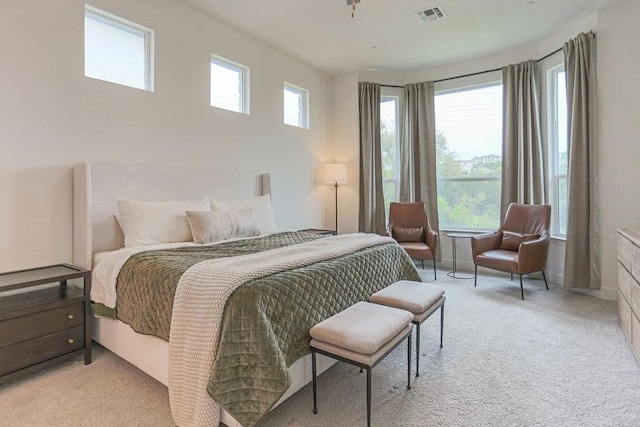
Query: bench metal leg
{"x": 368, "y": 397}
{"x": 409, "y": 360}
{"x": 313, "y": 373}
{"x": 417, "y": 349}
{"x": 441, "y": 323}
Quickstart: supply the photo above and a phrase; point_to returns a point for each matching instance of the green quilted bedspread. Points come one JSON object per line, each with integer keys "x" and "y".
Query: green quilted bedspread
{"x": 266, "y": 321}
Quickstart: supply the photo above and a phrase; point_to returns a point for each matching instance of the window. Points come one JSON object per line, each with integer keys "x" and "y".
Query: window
{"x": 469, "y": 157}
{"x": 558, "y": 152}
{"x": 117, "y": 51}
{"x": 229, "y": 85}
{"x": 296, "y": 106}
{"x": 389, "y": 143}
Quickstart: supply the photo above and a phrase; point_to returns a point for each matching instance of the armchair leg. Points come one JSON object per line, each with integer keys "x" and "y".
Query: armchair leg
{"x": 545, "y": 279}
{"x": 434, "y": 269}
{"x": 521, "y": 288}
{"x": 475, "y": 276}
{"x": 512, "y": 277}
{"x": 422, "y": 261}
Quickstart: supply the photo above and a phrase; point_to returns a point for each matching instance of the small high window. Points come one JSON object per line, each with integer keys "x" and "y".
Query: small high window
{"x": 296, "y": 106}
{"x": 117, "y": 50}
{"x": 229, "y": 85}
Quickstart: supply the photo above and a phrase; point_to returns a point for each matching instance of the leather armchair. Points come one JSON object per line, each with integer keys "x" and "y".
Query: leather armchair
{"x": 409, "y": 226}
{"x": 519, "y": 246}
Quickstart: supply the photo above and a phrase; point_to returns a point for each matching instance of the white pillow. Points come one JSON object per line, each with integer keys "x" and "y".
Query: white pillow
{"x": 213, "y": 226}
{"x": 149, "y": 223}
{"x": 262, "y": 211}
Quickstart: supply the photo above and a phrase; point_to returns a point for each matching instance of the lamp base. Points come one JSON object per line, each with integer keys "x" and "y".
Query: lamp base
{"x": 336, "y": 185}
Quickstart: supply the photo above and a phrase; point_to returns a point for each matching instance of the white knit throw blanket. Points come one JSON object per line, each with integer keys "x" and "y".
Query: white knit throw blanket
{"x": 200, "y": 298}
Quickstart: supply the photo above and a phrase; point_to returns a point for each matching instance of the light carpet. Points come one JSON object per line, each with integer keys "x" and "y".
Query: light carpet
{"x": 556, "y": 359}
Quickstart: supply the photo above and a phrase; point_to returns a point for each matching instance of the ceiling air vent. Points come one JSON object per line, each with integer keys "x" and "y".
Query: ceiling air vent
{"x": 433, "y": 14}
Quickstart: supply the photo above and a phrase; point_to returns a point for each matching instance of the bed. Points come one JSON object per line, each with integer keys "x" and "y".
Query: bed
{"x": 276, "y": 292}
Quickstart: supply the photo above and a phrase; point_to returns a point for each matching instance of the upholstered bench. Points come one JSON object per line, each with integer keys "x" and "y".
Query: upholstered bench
{"x": 361, "y": 335}
{"x": 421, "y": 299}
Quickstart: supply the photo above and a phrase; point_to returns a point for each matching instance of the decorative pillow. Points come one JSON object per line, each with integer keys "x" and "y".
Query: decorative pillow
{"x": 149, "y": 223}
{"x": 511, "y": 241}
{"x": 213, "y": 226}
{"x": 261, "y": 206}
{"x": 413, "y": 234}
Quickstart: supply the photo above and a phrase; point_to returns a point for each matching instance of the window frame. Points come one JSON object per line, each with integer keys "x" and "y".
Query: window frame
{"x": 498, "y": 178}
{"x": 244, "y": 79}
{"x": 555, "y": 176}
{"x": 396, "y": 179}
{"x": 132, "y": 27}
{"x": 303, "y": 105}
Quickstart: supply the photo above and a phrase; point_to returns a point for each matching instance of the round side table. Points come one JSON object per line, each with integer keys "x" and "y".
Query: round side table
{"x": 455, "y": 236}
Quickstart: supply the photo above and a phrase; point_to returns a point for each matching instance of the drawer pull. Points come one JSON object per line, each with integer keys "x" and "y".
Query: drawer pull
{"x": 69, "y": 316}
{"x": 70, "y": 340}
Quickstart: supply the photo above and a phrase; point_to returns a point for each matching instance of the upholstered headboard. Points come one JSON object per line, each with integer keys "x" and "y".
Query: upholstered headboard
{"x": 98, "y": 185}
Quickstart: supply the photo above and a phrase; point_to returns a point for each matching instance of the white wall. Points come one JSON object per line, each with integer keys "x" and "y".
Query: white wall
{"x": 51, "y": 117}
{"x": 344, "y": 137}
{"x": 618, "y": 38}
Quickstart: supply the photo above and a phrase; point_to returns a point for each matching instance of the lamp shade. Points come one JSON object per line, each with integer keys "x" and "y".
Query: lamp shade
{"x": 335, "y": 173}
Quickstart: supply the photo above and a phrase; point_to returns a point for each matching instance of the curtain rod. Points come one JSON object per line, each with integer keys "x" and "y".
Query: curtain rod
{"x": 477, "y": 73}
{"x": 485, "y": 71}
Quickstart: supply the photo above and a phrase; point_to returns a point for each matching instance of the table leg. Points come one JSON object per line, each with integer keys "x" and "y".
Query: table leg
{"x": 453, "y": 249}
{"x": 454, "y": 256}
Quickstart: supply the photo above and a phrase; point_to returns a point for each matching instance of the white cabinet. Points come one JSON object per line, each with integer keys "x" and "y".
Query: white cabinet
{"x": 629, "y": 286}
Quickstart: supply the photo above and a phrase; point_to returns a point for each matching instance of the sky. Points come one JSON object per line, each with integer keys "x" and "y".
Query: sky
{"x": 471, "y": 120}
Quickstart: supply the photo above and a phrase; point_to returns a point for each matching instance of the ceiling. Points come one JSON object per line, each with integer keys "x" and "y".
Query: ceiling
{"x": 387, "y": 35}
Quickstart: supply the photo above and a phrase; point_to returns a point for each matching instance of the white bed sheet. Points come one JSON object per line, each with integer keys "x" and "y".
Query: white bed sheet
{"x": 107, "y": 265}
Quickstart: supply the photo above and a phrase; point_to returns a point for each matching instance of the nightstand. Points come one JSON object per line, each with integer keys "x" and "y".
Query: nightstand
{"x": 46, "y": 324}
{"x": 318, "y": 231}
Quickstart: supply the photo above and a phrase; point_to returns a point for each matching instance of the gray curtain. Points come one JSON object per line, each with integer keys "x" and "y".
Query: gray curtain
{"x": 523, "y": 168}
{"x": 418, "y": 149}
{"x": 582, "y": 257}
{"x": 372, "y": 215}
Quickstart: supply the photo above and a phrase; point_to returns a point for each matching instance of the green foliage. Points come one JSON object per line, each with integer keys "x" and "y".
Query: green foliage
{"x": 447, "y": 161}
{"x": 464, "y": 202}
{"x": 388, "y": 146}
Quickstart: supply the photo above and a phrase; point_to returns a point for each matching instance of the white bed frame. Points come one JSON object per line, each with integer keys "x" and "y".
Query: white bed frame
{"x": 96, "y": 188}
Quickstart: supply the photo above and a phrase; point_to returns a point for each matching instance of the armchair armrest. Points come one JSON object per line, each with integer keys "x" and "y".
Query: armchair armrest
{"x": 485, "y": 242}
{"x": 532, "y": 255}
{"x": 431, "y": 239}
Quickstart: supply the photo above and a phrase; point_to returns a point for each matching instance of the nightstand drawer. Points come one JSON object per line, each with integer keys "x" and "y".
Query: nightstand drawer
{"x": 38, "y": 350}
{"x": 35, "y": 325}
